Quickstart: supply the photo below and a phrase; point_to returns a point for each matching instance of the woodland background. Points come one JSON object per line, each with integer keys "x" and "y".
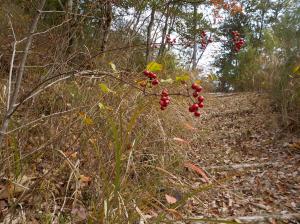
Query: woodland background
{"x": 82, "y": 140}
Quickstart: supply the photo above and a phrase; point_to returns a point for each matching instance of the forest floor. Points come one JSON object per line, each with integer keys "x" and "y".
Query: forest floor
{"x": 240, "y": 165}
{"x": 252, "y": 164}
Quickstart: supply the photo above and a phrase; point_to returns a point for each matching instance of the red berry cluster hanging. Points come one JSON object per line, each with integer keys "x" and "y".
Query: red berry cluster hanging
{"x": 152, "y": 77}
{"x": 238, "y": 41}
{"x": 170, "y": 41}
{"x": 164, "y": 99}
{"x": 203, "y": 39}
{"x": 200, "y": 104}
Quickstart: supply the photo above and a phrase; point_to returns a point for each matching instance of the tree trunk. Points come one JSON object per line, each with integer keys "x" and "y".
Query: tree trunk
{"x": 194, "y": 56}
{"x": 19, "y": 76}
{"x": 149, "y": 30}
{"x": 107, "y": 19}
{"x": 164, "y": 33}
{"x": 70, "y": 35}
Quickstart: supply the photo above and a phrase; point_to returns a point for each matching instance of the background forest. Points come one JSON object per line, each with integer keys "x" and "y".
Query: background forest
{"x": 87, "y": 133}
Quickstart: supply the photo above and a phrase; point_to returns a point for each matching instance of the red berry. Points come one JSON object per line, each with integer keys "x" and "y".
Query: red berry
{"x": 152, "y": 75}
{"x": 164, "y": 92}
{"x": 200, "y": 99}
{"x": 163, "y": 103}
{"x": 197, "y": 114}
{"x": 191, "y": 109}
{"x": 167, "y": 102}
{"x": 195, "y": 107}
{"x": 155, "y": 82}
{"x": 199, "y": 89}
{"x": 195, "y": 86}
{"x": 195, "y": 94}
{"x": 201, "y": 105}
{"x": 146, "y": 73}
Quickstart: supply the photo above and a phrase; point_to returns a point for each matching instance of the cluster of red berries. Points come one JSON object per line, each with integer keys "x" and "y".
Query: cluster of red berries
{"x": 164, "y": 99}
{"x": 200, "y": 104}
{"x": 152, "y": 77}
{"x": 204, "y": 40}
{"x": 238, "y": 41}
{"x": 170, "y": 41}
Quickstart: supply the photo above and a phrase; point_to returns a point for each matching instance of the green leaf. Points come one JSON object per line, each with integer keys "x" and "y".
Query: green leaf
{"x": 113, "y": 66}
{"x": 170, "y": 81}
{"x": 182, "y": 78}
{"x": 154, "y": 67}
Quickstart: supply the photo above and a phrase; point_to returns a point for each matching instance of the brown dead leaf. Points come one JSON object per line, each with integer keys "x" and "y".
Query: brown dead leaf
{"x": 177, "y": 215}
{"x": 10, "y": 189}
{"x": 170, "y": 199}
{"x": 3, "y": 206}
{"x": 189, "y": 127}
{"x": 78, "y": 213}
{"x": 71, "y": 154}
{"x": 180, "y": 140}
{"x": 85, "y": 179}
{"x": 198, "y": 170}
{"x": 295, "y": 146}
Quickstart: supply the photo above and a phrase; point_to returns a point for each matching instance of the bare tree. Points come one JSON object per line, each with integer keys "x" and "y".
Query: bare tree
{"x": 13, "y": 94}
{"x": 106, "y": 23}
{"x": 149, "y": 31}
{"x": 194, "y": 55}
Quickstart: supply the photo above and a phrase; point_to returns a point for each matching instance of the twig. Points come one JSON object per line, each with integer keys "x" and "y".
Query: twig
{"x": 11, "y": 64}
{"x": 241, "y": 166}
{"x": 67, "y": 189}
{"x": 245, "y": 219}
{"x": 258, "y": 218}
{"x": 43, "y": 32}
{"x": 43, "y": 118}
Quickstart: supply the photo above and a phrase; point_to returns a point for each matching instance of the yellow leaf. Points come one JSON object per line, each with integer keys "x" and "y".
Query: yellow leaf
{"x": 154, "y": 67}
{"x": 88, "y": 121}
{"x": 297, "y": 69}
{"x": 198, "y": 82}
{"x": 81, "y": 113}
{"x": 113, "y": 66}
{"x": 101, "y": 106}
{"x": 104, "y": 88}
{"x": 182, "y": 78}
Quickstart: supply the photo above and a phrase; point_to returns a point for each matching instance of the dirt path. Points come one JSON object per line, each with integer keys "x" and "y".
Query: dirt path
{"x": 242, "y": 150}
